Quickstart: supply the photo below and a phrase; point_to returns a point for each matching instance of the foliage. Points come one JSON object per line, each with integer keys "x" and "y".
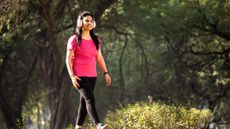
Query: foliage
{"x": 70, "y": 126}
{"x": 158, "y": 116}
{"x": 177, "y": 51}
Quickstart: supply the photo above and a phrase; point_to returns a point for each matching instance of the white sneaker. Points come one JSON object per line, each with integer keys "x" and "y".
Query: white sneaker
{"x": 78, "y": 127}
{"x": 101, "y": 126}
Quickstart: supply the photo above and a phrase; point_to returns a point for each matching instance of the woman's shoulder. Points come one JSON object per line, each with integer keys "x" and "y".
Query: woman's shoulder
{"x": 98, "y": 37}
{"x": 72, "y": 38}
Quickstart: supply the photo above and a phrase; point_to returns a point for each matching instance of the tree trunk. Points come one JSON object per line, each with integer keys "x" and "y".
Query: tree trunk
{"x": 12, "y": 111}
{"x": 59, "y": 113}
{"x": 58, "y": 87}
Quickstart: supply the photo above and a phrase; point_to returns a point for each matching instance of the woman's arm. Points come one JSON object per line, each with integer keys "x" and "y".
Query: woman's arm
{"x": 69, "y": 65}
{"x": 102, "y": 65}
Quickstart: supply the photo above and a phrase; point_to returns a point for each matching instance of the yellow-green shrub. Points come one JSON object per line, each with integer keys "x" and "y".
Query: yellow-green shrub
{"x": 158, "y": 116}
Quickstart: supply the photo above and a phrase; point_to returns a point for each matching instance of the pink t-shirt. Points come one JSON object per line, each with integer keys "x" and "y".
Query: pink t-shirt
{"x": 84, "y": 59}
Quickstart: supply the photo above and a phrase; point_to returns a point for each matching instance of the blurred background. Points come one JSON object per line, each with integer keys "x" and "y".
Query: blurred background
{"x": 175, "y": 51}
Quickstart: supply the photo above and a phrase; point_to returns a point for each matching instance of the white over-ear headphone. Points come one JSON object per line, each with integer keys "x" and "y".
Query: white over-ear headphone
{"x": 79, "y": 21}
{"x": 94, "y": 23}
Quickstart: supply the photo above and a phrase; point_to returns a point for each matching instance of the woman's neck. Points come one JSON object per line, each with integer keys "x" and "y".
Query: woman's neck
{"x": 86, "y": 35}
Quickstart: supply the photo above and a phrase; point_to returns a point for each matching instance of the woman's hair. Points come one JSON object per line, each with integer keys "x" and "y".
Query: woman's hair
{"x": 78, "y": 30}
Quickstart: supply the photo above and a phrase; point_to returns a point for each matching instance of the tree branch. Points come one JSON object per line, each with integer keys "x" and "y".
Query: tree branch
{"x": 105, "y": 4}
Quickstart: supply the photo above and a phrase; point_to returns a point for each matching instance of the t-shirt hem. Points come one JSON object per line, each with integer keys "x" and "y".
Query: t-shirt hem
{"x": 86, "y": 76}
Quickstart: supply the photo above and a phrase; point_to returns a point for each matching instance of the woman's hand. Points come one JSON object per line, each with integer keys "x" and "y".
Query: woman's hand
{"x": 107, "y": 79}
{"x": 74, "y": 79}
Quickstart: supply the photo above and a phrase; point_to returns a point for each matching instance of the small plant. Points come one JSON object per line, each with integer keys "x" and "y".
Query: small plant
{"x": 158, "y": 116}
{"x": 70, "y": 126}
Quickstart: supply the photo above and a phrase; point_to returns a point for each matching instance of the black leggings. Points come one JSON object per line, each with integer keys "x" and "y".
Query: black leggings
{"x": 87, "y": 100}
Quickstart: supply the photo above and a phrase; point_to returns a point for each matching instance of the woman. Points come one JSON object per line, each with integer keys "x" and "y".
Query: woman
{"x": 83, "y": 52}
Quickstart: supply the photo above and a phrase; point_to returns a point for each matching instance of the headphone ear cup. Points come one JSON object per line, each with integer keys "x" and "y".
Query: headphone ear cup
{"x": 79, "y": 23}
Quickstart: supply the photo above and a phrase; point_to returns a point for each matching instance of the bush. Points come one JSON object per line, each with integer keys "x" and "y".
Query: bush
{"x": 158, "y": 116}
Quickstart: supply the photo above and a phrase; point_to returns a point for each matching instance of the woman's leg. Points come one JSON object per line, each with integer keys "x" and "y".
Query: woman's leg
{"x": 86, "y": 89}
{"x": 82, "y": 112}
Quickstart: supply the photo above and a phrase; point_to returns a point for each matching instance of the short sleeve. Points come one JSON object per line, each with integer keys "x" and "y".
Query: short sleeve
{"x": 72, "y": 43}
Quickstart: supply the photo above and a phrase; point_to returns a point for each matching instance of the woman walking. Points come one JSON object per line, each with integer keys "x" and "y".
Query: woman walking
{"x": 83, "y": 53}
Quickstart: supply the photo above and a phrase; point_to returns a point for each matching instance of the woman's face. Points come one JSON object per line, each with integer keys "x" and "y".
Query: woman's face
{"x": 88, "y": 23}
